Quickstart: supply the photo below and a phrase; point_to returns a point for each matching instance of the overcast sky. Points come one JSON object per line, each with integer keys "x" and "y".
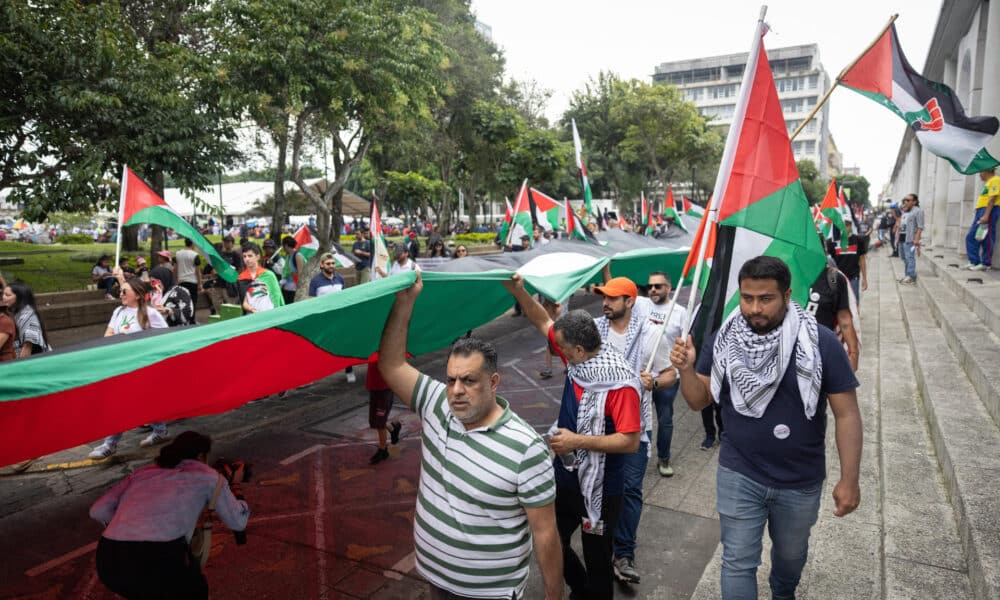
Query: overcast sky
{"x": 561, "y": 44}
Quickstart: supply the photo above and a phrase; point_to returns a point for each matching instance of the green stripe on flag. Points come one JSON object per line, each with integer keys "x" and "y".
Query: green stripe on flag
{"x": 165, "y": 217}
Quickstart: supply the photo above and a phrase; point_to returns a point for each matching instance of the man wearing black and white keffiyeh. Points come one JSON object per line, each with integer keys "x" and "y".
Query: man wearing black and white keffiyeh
{"x": 599, "y": 423}
{"x": 772, "y": 370}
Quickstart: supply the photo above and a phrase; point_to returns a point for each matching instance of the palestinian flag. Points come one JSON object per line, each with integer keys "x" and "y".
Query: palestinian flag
{"x": 836, "y": 212}
{"x": 690, "y": 208}
{"x": 670, "y": 210}
{"x": 532, "y": 208}
{"x": 691, "y": 262}
{"x": 762, "y": 208}
{"x": 823, "y": 223}
{"x": 576, "y": 229}
{"x": 140, "y": 204}
{"x": 507, "y": 217}
{"x": 930, "y": 108}
{"x": 584, "y": 181}
{"x": 380, "y": 252}
{"x": 545, "y": 210}
{"x": 645, "y": 224}
{"x": 307, "y": 245}
{"x": 70, "y": 397}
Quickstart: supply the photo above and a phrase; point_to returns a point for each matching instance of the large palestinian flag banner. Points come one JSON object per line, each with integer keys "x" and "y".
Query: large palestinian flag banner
{"x": 66, "y": 398}
{"x": 930, "y": 108}
{"x": 762, "y": 208}
{"x": 140, "y": 204}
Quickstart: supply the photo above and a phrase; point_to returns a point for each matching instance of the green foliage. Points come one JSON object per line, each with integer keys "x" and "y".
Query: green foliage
{"x": 74, "y": 238}
{"x": 858, "y": 186}
{"x": 88, "y": 87}
{"x": 635, "y": 134}
{"x": 475, "y": 238}
{"x": 814, "y": 187}
{"x": 345, "y": 71}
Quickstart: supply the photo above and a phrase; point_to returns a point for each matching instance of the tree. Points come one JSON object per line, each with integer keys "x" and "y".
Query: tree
{"x": 600, "y": 133}
{"x": 814, "y": 187}
{"x": 85, "y": 92}
{"x": 664, "y": 135}
{"x": 351, "y": 69}
{"x": 858, "y": 186}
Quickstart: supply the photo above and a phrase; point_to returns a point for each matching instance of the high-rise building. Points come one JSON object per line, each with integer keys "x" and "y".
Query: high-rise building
{"x": 713, "y": 83}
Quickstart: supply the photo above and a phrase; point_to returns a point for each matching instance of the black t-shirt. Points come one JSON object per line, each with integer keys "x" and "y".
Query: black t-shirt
{"x": 824, "y": 301}
{"x": 849, "y": 259}
{"x": 364, "y": 262}
{"x": 782, "y": 449}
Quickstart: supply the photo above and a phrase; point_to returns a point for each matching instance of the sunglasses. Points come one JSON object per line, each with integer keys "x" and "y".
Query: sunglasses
{"x": 657, "y": 286}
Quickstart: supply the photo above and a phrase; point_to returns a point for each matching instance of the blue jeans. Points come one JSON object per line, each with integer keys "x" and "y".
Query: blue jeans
{"x": 909, "y": 254}
{"x": 856, "y": 286}
{"x": 628, "y": 522}
{"x": 663, "y": 399}
{"x": 981, "y": 252}
{"x": 159, "y": 428}
{"x": 744, "y": 507}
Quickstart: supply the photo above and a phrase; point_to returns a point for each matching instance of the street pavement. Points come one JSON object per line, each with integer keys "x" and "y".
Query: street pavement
{"x": 325, "y": 524}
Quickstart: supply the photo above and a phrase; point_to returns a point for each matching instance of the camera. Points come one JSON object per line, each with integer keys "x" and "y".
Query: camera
{"x": 229, "y": 469}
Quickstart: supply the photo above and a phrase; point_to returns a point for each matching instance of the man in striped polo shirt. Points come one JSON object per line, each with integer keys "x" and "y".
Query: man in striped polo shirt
{"x": 487, "y": 487}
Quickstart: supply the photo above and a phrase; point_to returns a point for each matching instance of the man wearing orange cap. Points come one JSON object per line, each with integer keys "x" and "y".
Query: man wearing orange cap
{"x": 599, "y": 425}
{"x": 628, "y": 331}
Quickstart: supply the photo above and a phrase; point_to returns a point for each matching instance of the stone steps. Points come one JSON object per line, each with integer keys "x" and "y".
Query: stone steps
{"x": 964, "y": 310}
{"x": 904, "y": 540}
{"x": 965, "y": 435}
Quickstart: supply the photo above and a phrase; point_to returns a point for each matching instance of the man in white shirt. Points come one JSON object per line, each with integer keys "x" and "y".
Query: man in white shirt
{"x": 186, "y": 271}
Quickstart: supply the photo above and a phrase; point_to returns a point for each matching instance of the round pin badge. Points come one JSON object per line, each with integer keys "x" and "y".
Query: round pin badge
{"x": 781, "y": 431}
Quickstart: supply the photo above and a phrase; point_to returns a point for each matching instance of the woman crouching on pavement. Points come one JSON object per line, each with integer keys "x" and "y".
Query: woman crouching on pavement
{"x": 149, "y": 518}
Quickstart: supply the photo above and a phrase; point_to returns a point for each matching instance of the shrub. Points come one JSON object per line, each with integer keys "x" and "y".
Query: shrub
{"x": 475, "y": 238}
{"x": 74, "y": 238}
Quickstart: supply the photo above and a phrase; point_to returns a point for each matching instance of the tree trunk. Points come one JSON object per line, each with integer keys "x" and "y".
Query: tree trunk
{"x": 130, "y": 238}
{"x": 278, "y": 212}
{"x": 336, "y": 215}
{"x": 157, "y": 240}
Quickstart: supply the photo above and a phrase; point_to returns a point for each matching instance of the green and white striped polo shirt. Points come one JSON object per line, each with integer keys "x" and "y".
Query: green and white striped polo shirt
{"x": 470, "y": 529}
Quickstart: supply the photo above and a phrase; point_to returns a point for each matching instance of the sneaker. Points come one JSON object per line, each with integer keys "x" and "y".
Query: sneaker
{"x": 907, "y": 281}
{"x": 979, "y": 267}
{"x": 970, "y": 267}
{"x": 153, "y": 439}
{"x": 394, "y": 432}
{"x": 380, "y": 455}
{"x": 546, "y": 374}
{"x": 625, "y": 570}
{"x": 109, "y": 297}
{"x": 708, "y": 442}
{"x": 352, "y": 378}
{"x": 664, "y": 468}
{"x": 103, "y": 451}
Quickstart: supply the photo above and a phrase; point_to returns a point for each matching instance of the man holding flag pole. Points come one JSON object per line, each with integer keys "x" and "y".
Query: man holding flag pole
{"x": 769, "y": 366}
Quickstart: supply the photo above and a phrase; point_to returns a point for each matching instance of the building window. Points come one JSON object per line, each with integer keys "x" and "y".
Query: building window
{"x": 813, "y": 81}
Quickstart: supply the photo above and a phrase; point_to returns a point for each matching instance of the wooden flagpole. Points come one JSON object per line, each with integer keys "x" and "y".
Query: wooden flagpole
{"x": 837, "y": 81}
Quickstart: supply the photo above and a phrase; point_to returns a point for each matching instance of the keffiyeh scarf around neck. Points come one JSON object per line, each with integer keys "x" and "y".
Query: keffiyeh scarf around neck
{"x": 605, "y": 372}
{"x": 755, "y": 364}
{"x": 635, "y": 335}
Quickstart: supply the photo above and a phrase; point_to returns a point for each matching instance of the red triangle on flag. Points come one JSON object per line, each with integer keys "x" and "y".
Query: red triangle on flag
{"x": 138, "y": 196}
{"x": 763, "y": 161}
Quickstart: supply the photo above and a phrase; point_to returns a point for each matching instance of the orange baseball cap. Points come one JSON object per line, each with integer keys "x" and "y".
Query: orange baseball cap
{"x": 618, "y": 286}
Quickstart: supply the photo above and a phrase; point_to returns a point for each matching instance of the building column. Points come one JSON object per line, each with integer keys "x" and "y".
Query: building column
{"x": 939, "y": 198}
{"x": 990, "y": 104}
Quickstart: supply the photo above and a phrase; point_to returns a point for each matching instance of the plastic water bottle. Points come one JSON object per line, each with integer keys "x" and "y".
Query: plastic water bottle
{"x": 981, "y": 232}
